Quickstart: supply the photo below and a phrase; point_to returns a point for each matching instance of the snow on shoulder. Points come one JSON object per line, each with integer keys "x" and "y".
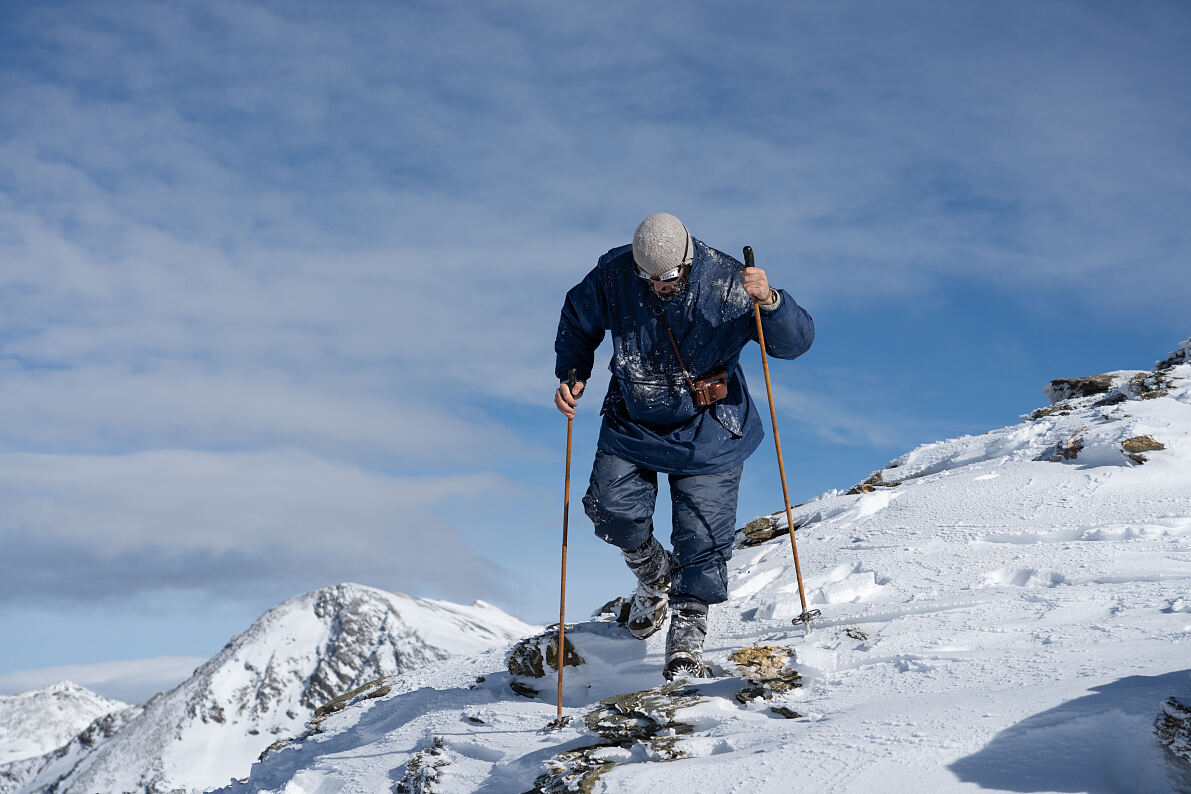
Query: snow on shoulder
{"x": 1002, "y": 612}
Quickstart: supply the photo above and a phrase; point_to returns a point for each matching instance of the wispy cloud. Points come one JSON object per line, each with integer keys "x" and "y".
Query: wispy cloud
{"x": 265, "y": 265}
{"x": 96, "y": 526}
{"x": 132, "y": 681}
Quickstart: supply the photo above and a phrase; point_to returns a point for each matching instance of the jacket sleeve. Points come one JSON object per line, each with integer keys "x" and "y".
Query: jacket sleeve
{"x": 789, "y": 329}
{"x": 581, "y": 327}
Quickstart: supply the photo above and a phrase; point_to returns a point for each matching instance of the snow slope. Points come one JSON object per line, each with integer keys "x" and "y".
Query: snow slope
{"x": 1010, "y": 616}
{"x": 267, "y": 682}
{"x": 33, "y": 723}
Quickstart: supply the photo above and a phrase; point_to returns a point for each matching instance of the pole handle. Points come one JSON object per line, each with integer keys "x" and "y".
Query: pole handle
{"x": 749, "y": 261}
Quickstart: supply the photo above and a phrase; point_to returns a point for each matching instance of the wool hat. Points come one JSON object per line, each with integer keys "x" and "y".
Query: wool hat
{"x": 662, "y": 243}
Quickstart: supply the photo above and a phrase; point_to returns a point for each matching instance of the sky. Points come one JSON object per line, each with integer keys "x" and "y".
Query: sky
{"x": 279, "y": 281}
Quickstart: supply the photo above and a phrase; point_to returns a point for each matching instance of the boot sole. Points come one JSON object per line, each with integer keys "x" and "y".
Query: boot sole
{"x": 685, "y": 665}
{"x": 636, "y": 635}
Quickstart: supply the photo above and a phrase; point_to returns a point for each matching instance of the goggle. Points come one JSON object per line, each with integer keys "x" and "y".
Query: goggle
{"x": 670, "y": 275}
{"x": 674, "y": 273}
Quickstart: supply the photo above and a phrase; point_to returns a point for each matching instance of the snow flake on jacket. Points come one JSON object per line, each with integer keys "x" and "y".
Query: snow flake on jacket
{"x": 649, "y": 415}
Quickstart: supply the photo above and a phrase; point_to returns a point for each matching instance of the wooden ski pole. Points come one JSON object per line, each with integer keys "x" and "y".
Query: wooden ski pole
{"x": 807, "y": 614}
{"x": 562, "y": 592}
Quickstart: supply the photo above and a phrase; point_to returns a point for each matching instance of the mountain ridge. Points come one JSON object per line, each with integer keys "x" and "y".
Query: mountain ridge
{"x": 265, "y": 683}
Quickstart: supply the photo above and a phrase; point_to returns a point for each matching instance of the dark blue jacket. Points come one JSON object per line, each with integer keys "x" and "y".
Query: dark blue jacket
{"x": 649, "y": 415}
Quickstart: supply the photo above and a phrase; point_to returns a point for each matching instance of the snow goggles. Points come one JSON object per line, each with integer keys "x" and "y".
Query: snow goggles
{"x": 670, "y": 275}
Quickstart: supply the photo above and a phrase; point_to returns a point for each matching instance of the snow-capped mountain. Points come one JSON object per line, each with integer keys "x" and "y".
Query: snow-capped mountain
{"x": 1002, "y": 612}
{"x": 266, "y": 683}
{"x": 33, "y": 723}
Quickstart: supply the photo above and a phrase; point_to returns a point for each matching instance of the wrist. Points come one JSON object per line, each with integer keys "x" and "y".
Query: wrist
{"x": 775, "y": 300}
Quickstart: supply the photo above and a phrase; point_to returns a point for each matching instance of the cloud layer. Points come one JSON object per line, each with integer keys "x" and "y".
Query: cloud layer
{"x": 279, "y": 280}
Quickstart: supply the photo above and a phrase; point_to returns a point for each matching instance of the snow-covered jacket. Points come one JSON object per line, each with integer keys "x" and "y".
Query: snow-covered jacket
{"x": 649, "y": 415}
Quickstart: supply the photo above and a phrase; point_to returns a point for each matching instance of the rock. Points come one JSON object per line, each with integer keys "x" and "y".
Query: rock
{"x": 421, "y": 773}
{"x": 1173, "y": 727}
{"x": 643, "y": 716}
{"x": 1150, "y": 386}
{"x": 1064, "y": 450}
{"x": 1142, "y": 444}
{"x": 615, "y": 611}
{"x": 1061, "y": 389}
{"x": 874, "y": 482}
{"x": 622, "y": 722}
{"x": 532, "y": 656}
{"x": 1180, "y": 356}
{"x": 762, "y": 529}
{"x": 766, "y": 669}
{"x": 373, "y": 689}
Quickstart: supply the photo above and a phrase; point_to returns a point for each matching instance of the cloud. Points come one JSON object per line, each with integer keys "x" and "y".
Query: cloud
{"x": 131, "y": 681}
{"x": 93, "y": 526}
{"x": 261, "y": 264}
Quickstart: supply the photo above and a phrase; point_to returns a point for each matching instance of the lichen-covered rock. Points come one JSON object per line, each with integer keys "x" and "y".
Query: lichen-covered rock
{"x": 421, "y": 773}
{"x": 762, "y": 529}
{"x": 1068, "y": 449}
{"x": 1133, "y": 447}
{"x": 1061, "y": 389}
{"x": 1180, "y": 356}
{"x": 615, "y": 611}
{"x": 1173, "y": 728}
{"x": 635, "y": 720}
{"x": 532, "y": 656}
{"x": 875, "y": 481}
{"x": 642, "y": 716}
{"x": 1150, "y": 386}
{"x": 766, "y": 668}
{"x": 1142, "y": 444}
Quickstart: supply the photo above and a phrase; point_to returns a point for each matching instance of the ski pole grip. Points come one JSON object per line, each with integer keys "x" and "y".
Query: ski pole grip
{"x": 748, "y": 257}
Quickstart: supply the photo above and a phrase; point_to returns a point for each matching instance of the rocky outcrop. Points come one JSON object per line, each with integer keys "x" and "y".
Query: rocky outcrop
{"x": 531, "y": 657}
{"x": 645, "y": 719}
{"x": 1173, "y": 728}
{"x": 1133, "y": 447}
{"x": 767, "y": 670}
{"x": 1061, "y": 389}
{"x": 1066, "y": 449}
{"x": 875, "y": 481}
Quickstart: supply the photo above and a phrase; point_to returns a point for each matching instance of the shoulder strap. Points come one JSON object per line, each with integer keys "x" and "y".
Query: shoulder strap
{"x": 674, "y": 345}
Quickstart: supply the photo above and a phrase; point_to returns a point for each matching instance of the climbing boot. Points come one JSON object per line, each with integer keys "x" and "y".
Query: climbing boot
{"x": 684, "y": 642}
{"x": 650, "y": 563}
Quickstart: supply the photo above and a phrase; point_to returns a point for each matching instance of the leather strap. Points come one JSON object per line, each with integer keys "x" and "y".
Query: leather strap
{"x": 674, "y": 345}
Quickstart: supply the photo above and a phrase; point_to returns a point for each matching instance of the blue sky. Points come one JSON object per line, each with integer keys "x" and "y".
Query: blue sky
{"x": 279, "y": 281}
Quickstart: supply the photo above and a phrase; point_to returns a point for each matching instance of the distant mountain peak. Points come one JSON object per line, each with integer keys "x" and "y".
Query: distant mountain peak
{"x": 268, "y": 680}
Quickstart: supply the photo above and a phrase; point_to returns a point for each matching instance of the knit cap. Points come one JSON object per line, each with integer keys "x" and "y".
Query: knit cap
{"x": 662, "y": 243}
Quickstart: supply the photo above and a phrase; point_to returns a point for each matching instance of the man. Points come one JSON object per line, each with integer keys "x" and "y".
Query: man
{"x": 680, "y": 312}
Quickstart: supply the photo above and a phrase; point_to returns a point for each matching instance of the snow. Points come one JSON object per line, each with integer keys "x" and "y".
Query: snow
{"x": 33, "y": 723}
{"x": 1004, "y": 619}
{"x": 263, "y": 686}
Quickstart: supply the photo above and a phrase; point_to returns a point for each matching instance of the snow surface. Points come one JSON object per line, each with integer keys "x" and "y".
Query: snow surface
{"x": 264, "y": 685}
{"x": 1004, "y": 619}
{"x": 33, "y": 723}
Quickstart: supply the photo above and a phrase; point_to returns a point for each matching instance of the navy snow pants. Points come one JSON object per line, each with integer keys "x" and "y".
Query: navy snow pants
{"x": 620, "y": 501}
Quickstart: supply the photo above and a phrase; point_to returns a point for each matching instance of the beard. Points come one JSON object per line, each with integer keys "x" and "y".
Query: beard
{"x": 675, "y": 289}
